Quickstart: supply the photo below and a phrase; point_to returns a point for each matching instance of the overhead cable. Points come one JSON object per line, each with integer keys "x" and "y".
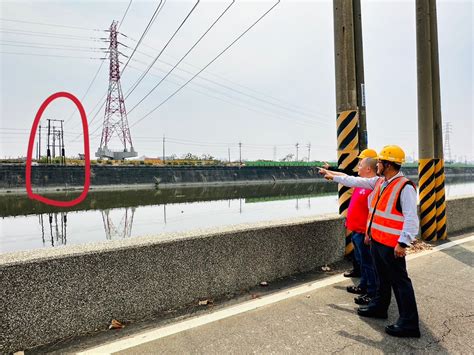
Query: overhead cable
{"x": 147, "y": 28}
{"x": 312, "y": 115}
{"x": 207, "y": 65}
{"x": 83, "y": 49}
{"x": 50, "y": 24}
{"x": 124, "y": 15}
{"x": 184, "y": 56}
{"x": 134, "y": 86}
{"x": 49, "y": 55}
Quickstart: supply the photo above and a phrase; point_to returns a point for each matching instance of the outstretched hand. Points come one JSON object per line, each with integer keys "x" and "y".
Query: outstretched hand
{"x": 326, "y": 174}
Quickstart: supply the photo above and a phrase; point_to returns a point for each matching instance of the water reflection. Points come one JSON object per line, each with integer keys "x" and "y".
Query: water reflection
{"x": 123, "y": 229}
{"x": 119, "y": 215}
{"x": 16, "y": 205}
{"x": 57, "y": 230}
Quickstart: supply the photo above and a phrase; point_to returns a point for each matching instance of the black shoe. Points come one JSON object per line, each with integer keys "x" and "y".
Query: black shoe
{"x": 397, "y": 331}
{"x": 352, "y": 273}
{"x": 356, "y": 290}
{"x": 363, "y": 300}
{"x": 371, "y": 313}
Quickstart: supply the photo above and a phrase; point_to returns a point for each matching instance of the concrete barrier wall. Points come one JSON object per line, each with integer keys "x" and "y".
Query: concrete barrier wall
{"x": 52, "y": 294}
{"x": 460, "y": 212}
{"x": 48, "y": 295}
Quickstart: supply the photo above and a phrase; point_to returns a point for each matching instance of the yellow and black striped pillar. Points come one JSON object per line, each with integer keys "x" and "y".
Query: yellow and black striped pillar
{"x": 441, "y": 229}
{"x": 347, "y": 152}
{"x": 426, "y": 183}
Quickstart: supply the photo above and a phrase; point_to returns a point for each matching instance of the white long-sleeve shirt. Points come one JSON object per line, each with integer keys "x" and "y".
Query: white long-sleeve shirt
{"x": 408, "y": 202}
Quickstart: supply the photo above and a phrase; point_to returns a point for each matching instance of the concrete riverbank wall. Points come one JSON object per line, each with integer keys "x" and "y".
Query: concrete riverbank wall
{"x": 52, "y": 294}
{"x": 64, "y": 177}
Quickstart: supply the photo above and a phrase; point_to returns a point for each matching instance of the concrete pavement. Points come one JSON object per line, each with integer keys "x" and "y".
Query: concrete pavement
{"x": 322, "y": 318}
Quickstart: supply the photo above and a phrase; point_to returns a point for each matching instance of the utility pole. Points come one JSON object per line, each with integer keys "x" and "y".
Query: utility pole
{"x": 350, "y": 101}
{"x": 426, "y": 139}
{"x": 359, "y": 69}
{"x": 309, "y": 151}
{"x": 39, "y": 145}
{"x": 48, "y": 149}
{"x": 297, "y": 148}
{"x": 164, "y": 157}
{"x": 63, "y": 152}
{"x": 228, "y": 151}
{"x": 59, "y": 134}
{"x": 441, "y": 228}
{"x": 240, "y": 153}
{"x": 54, "y": 141}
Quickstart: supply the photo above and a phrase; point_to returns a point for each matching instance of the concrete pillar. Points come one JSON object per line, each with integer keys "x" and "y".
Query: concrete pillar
{"x": 425, "y": 123}
{"x": 437, "y": 127}
{"x": 346, "y": 99}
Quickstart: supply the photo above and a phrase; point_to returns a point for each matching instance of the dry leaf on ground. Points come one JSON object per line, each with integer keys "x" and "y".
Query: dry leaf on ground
{"x": 115, "y": 324}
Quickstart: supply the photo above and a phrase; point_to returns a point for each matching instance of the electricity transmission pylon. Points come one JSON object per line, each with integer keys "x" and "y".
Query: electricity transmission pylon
{"x": 115, "y": 118}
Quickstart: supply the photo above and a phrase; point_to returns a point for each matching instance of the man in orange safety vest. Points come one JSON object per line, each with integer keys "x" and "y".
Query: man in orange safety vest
{"x": 392, "y": 225}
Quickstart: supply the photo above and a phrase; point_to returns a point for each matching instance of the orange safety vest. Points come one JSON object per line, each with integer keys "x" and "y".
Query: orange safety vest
{"x": 385, "y": 220}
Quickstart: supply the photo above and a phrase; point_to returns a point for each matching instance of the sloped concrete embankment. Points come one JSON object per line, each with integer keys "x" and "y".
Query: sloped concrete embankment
{"x": 55, "y": 176}
{"x": 12, "y": 177}
{"x": 52, "y": 294}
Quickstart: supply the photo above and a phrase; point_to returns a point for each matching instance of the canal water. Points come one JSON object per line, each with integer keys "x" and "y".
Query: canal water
{"x": 109, "y": 215}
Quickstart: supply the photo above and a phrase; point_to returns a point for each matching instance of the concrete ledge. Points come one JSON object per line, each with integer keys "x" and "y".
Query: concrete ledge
{"x": 459, "y": 211}
{"x": 52, "y": 294}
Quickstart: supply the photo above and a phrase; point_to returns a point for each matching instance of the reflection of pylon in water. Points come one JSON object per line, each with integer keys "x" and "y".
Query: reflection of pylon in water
{"x": 124, "y": 229}
{"x": 57, "y": 229}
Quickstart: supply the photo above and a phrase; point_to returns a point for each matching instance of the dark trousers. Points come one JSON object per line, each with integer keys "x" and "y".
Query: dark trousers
{"x": 363, "y": 255}
{"x": 392, "y": 273}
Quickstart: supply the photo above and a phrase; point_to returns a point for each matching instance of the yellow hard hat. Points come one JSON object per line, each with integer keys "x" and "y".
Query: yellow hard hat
{"x": 367, "y": 153}
{"x": 392, "y": 153}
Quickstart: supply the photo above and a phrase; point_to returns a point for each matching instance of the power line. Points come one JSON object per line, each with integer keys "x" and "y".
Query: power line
{"x": 124, "y": 15}
{"x": 323, "y": 118}
{"x": 49, "y": 24}
{"x": 207, "y": 65}
{"x": 311, "y": 113}
{"x": 47, "y": 44}
{"x": 50, "y": 55}
{"x": 46, "y": 34}
{"x": 86, "y": 49}
{"x": 184, "y": 56}
{"x": 134, "y": 86}
{"x": 147, "y": 28}
{"x": 88, "y": 88}
{"x": 272, "y": 114}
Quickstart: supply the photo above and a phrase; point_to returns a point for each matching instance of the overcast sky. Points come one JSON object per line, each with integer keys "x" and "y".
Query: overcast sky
{"x": 274, "y": 88}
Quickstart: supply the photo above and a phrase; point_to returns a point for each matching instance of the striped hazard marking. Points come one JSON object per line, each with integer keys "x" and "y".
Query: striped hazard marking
{"x": 426, "y": 184}
{"x": 441, "y": 229}
{"x": 347, "y": 152}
